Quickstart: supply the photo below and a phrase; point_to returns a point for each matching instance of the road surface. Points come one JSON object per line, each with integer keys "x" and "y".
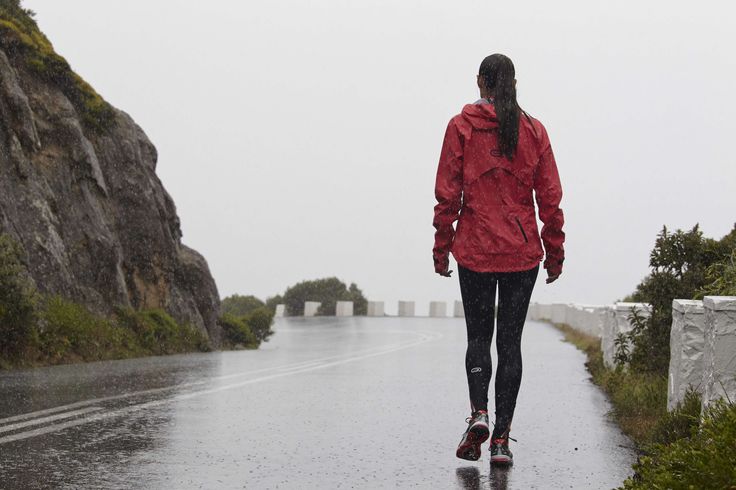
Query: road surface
{"x": 326, "y": 403}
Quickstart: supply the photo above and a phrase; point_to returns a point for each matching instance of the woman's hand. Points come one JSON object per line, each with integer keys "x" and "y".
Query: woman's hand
{"x": 552, "y": 278}
{"x": 441, "y": 265}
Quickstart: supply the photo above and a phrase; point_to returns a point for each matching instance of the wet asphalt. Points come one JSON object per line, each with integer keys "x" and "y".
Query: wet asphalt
{"x": 326, "y": 403}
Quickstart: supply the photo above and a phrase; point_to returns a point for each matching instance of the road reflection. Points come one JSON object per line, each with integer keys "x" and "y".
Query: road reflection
{"x": 470, "y": 478}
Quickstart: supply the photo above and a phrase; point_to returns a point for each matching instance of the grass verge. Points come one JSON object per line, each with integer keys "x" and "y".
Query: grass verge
{"x": 680, "y": 449}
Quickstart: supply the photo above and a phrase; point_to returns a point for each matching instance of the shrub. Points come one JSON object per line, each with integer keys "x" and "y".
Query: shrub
{"x": 260, "y": 321}
{"x": 237, "y": 305}
{"x": 705, "y": 459}
{"x": 18, "y": 300}
{"x": 158, "y": 333}
{"x": 721, "y": 278}
{"x": 69, "y": 332}
{"x": 678, "y": 423}
{"x": 237, "y": 333}
{"x": 682, "y": 264}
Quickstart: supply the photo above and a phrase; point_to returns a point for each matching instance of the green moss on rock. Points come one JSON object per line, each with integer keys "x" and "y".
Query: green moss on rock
{"x": 23, "y": 42}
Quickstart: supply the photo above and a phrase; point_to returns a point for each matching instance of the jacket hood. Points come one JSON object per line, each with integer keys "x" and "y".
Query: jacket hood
{"x": 480, "y": 116}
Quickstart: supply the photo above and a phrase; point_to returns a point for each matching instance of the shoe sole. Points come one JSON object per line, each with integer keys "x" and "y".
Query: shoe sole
{"x": 502, "y": 460}
{"x": 470, "y": 450}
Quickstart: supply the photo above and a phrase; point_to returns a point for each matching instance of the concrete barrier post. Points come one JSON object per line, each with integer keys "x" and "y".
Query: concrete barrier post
{"x": 406, "y": 308}
{"x": 437, "y": 309}
{"x": 344, "y": 308}
{"x": 719, "y": 359}
{"x": 687, "y": 341}
{"x": 608, "y": 334}
{"x": 458, "y": 311}
{"x": 311, "y": 307}
{"x": 376, "y": 308}
{"x": 280, "y": 311}
{"x": 621, "y": 324}
{"x": 558, "y": 313}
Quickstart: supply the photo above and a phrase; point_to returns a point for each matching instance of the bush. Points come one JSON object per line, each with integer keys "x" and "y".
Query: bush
{"x": 678, "y": 423}
{"x": 326, "y": 291}
{"x": 237, "y": 305}
{"x": 70, "y": 332}
{"x": 260, "y": 321}
{"x": 237, "y": 333}
{"x": 158, "y": 333}
{"x": 705, "y": 459}
{"x": 18, "y": 301}
{"x": 721, "y": 278}
{"x": 682, "y": 263}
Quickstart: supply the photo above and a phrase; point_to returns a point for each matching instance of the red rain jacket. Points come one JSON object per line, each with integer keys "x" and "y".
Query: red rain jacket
{"x": 491, "y": 197}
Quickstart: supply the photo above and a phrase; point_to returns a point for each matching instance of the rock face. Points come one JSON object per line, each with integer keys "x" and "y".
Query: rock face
{"x": 95, "y": 222}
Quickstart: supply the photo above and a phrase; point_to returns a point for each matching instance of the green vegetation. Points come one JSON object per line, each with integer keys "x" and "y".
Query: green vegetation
{"x": 639, "y": 399}
{"x": 704, "y": 458}
{"x": 237, "y": 333}
{"x": 326, "y": 291}
{"x": 246, "y": 321}
{"x": 684, "y": 265}
{"x": 22, "y": 40}
{"x": 17, "y": 302}
{"x": 241, "y": 305}
{"x": 679, "y": 449}
{"x": 39, "y": 330}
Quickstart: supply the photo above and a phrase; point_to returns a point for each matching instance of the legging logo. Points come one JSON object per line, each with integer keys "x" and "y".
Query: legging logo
{"x": 476, "y": 370}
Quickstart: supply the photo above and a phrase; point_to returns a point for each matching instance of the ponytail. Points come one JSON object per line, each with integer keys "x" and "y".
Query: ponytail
{"x": 498, "y": 75}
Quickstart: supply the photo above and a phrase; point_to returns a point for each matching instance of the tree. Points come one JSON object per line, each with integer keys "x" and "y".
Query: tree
{"x": 326, "y": 291}
{"x": 682, "y": 264}
{"x": 237, "y": 305}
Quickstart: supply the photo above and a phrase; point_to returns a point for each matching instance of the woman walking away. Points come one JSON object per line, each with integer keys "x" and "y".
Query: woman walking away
{"x": 495, "y": 159}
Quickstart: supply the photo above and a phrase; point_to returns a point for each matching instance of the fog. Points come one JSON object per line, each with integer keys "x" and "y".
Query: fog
{"x": 300, "y": 139}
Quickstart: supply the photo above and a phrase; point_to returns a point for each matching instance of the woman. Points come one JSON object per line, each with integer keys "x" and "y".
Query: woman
{"x": 495, "y": 160}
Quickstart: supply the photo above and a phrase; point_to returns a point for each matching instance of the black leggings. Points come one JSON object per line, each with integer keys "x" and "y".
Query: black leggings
{"x": 478, "y": 290}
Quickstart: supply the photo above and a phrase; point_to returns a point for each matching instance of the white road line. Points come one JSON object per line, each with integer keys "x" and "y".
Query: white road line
{"x": 43, "y": 420}
{"x": 185, "y": 396}
{"x": 153, "y": 391}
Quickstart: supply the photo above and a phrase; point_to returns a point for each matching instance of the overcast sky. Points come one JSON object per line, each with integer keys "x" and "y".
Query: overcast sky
{"x": 300, "y": 139}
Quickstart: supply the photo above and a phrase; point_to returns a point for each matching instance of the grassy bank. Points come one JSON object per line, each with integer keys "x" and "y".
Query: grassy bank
{"x": 65, "y": 332}
{"x": 639, "y": 399}
{"x": 678, "y": 449}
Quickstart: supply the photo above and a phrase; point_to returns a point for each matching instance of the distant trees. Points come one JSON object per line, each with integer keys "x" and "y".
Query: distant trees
{"x": 327, "y": 291}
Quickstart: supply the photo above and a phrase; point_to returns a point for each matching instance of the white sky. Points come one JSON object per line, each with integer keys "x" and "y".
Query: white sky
{"x": 299, "y": 139}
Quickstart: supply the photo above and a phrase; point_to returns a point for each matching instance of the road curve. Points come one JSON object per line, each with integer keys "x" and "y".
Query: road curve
{"x": 327, "y": 403}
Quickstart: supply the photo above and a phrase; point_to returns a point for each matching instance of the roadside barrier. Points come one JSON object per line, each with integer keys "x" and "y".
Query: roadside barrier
{"x": 344, "y": 308}
{"x": 376, "y": 308}
{"x": 702, "y": 340}
{"x": 311, "y": 307}
{"x": 406, "y": 308}
{"x": 719, "y": 357}
{"x": 437, "y": 309}
{"x": 687, "y": 343}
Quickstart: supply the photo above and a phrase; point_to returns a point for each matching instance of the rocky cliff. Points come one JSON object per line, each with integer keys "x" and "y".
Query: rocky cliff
{"x": 79, "y": 191}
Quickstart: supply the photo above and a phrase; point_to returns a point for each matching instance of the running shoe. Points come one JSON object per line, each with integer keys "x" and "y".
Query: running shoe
{"x": 475, "y": 435}
{"x": 500, "y": 452}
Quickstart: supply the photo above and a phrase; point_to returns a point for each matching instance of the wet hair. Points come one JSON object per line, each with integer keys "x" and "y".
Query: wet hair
{"x": 497, "y": 74}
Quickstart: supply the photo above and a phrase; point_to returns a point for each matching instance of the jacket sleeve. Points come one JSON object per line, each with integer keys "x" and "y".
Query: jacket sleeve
{"x": 548, "y": 191}
{"x": 448, "y": 192}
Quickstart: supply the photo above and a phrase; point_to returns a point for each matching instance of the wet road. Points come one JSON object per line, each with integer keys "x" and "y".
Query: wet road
{"x": 327, "y": 403}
